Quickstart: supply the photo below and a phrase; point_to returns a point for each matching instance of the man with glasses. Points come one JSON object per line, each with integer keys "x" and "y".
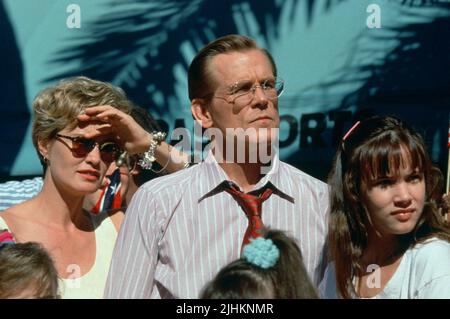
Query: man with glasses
{"x": 181, "y": 229}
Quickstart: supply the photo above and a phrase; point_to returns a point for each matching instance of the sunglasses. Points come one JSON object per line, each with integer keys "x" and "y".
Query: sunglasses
{"x": 109, "y": 151}
{"x": 129, "y": 160}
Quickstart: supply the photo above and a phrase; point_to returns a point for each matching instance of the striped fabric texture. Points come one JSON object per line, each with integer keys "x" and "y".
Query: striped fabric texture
{"x": 181, "y": 229}
{"x": 16, "y": 192}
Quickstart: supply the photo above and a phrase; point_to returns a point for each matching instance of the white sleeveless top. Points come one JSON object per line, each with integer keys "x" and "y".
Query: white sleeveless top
{"x": 92, "y": 284}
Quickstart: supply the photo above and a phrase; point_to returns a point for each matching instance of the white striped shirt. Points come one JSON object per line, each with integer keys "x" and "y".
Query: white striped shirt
{"x": 16, "y": 192}
{"x": 181, "y": 229}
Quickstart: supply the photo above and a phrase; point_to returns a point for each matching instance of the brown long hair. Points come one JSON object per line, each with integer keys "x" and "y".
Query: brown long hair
{"x": 374, "y": 148}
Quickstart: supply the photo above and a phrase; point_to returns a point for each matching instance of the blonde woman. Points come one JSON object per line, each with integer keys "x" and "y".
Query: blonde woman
{"x": 80, "y": 244}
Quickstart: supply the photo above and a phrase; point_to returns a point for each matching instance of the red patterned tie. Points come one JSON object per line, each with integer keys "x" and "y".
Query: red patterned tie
{"x": 251, "y": 205}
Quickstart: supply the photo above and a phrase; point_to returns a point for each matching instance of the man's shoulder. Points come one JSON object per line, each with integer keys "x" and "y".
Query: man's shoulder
{"x": 164, "y": 193}
{"x": 172, "y": 181}
{"x": 299, "y": 176}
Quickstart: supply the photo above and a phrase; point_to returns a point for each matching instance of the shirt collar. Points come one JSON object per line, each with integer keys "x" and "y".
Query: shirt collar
{"x": 215, "y": 178}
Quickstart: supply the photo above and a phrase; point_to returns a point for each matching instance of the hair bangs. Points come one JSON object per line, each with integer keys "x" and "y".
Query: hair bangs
{"x": 387, "y": 156}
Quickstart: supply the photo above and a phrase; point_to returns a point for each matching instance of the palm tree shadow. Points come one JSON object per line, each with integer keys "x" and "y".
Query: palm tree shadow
{"x": 13, "y": 102}
{"x": 147, "y": 50}
{"x": 142, "y": 50}
{"x": 411, "y": 83}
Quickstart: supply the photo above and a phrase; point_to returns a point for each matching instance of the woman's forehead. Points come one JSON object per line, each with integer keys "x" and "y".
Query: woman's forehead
{"x": 101, "y": 131}
{"x": 91, "y": 127}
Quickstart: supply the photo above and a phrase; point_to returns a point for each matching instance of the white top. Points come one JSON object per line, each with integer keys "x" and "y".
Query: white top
{"x": 92, "y": 284}
{"x": 424, "y": 272}
{"x": 181, "y": 229}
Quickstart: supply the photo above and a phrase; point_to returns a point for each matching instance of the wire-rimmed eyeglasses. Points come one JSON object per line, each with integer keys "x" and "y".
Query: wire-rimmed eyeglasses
{"x": 243, "y": 92}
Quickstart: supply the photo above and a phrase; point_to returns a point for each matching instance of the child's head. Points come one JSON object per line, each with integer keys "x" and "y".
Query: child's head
{"x": 383, "y": 182}
{"x": 27, "y": 271}
{"x": 240, "y": 280}
{"x": 271, "y": 267}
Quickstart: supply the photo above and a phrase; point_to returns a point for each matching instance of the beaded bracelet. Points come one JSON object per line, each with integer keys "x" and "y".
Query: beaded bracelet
{"x": 146, "y": 162}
